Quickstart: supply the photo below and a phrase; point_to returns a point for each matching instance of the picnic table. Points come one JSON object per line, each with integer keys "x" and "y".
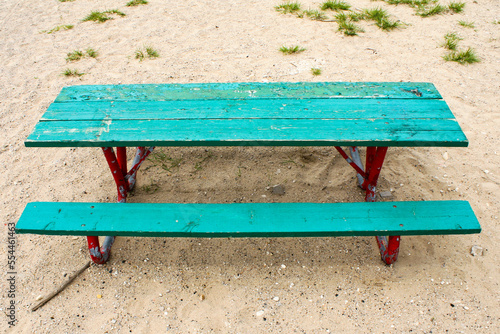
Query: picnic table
{"x": 375, "y": 115}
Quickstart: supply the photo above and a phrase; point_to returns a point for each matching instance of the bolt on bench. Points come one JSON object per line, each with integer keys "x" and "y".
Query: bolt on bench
{"x": 339, "y": 114}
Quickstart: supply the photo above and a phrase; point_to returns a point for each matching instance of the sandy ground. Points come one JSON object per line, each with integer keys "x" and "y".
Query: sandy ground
{"x": 316, "y": 285}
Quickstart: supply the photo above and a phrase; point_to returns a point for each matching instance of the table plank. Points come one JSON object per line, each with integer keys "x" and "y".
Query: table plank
{"x": 248, "y": 90}
{"x": 262, "y": 108}
{"x": 249, "y": 132}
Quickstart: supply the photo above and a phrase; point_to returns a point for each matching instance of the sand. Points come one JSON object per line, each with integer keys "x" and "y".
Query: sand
{"x": 303, "y": 285}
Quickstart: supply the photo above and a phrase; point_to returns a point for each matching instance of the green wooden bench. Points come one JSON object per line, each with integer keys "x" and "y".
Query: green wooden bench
{"x": 375, "y": 115}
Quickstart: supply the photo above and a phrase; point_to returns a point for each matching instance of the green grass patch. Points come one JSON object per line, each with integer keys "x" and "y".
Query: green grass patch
{"x": 288, "y": 50}
{"x": 411, "y": 3}
{"x": 463, "y": 57}
{"x": 349, "y": 28}
{"x": 356, "y": 16}
{"x": 467, "y": 24}
{"x": 146, "y": 52}
{"x": 150, "y": 188}
{"x": 427, "y": 8}
{"x": 198, "y": 165}
{"x": 434, "y": 10}
{"x": 151, "y": 53}
{"x": 74, "y": 56}
{"x": 381, "y": 18}
{"x": 335, "y": 5}
{"x": 341, "y": 17}
{"x": 101, "y": 17}
{"x": 58, "y": 28}
{"x": 136, "y": 3}
{"x": 139, "y": 54}
{"x": 451, "y": 41}
{"x": 316, "y": 71}
{"x": 315, "y": 15}
{"x": 66, "y": 0}
{"x": 165, "y": 161}
{"x": 97, "y": 17}
{"x": 376, "y": 14}
{"x": 346, "y": 26}
{"x": 387, "y": 24}
{"x": 72, "y": 73}
{"x": 92, "y": 53}
{"x": 456, "y": 7}
{"x": 288, "y": 7}
{"x": 77, "y": 54}
{"x": 115, "y": 11}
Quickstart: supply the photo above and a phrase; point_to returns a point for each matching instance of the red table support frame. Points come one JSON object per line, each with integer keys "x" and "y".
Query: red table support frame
{"x": 125, "y": 181}
{"x": 389, "y": 247}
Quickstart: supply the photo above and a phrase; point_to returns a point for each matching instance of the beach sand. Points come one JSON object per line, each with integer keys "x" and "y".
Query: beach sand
{"x": 301, "y": 285}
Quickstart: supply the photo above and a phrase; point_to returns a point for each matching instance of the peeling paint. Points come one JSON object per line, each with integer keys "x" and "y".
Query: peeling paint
{"x": 139, "y": 158}
{"x": 389, "y": 248}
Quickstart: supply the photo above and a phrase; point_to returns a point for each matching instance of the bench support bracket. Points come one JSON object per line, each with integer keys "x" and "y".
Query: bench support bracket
{"x": 125, "y": 182}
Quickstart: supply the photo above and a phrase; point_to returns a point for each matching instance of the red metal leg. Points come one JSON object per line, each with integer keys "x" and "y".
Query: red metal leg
{"x": 351, "y": 162}
{"x": 121, "y": 183}
{"x": 370, "y": 157}
{"x": 357, "y": 160}
{"x": 138, "y": 155}
{"x": 124, "y": 182}
{"x": 373, "y": 172}
{"x": 367, "y": 180}
{"x": 121, "y": 154}
{"x": 139, "y": 158}
{"x": 389, "y": 247}
{"x": 100, "y": 255}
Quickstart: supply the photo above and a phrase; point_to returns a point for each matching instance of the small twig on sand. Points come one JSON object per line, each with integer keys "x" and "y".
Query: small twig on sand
{"x": 61, "y": 288}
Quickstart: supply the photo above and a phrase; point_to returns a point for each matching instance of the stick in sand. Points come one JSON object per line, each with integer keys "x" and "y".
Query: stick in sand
{"x": 61, "y": 288}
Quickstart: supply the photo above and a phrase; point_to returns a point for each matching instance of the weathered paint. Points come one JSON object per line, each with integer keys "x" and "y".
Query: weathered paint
{"x": 249, "y": 114}
{"x": 119, "y": 177}
{"x": 254, "y": 90}
{"x": 357, "y": 160}
{"x": 389, "y": 249}
{"x": 328, "y": 131}
{"x": 374, "y": 172}
{"x": 139, "y": 158}
{"x": 100, "y": 255}
{"x": 132, "y": 177}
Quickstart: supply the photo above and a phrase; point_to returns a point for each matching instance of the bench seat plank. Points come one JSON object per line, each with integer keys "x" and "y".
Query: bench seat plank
{"x": 248, "y": 132}
{"x": 249, "y": 219}
{"x": 246, "y": 90}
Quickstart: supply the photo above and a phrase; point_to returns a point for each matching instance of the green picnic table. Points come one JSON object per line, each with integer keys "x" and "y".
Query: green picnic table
{"x": 375, "y": 115}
